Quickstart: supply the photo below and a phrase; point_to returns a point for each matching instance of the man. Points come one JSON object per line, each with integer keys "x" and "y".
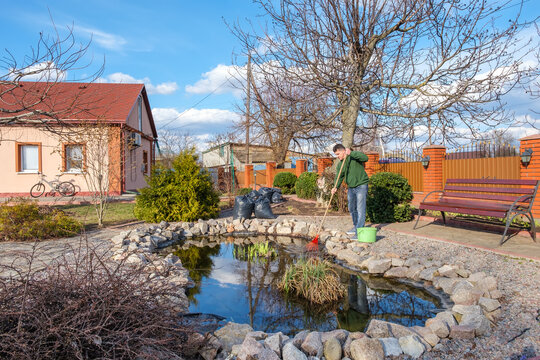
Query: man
{"x": 356, "y": 179}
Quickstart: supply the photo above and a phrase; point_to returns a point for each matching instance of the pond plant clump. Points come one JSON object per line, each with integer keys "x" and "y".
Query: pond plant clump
{"x": 314, "y": 280}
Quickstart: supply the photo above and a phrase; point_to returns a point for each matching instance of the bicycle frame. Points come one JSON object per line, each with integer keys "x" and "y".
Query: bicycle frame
{"x": 53, "y": 184}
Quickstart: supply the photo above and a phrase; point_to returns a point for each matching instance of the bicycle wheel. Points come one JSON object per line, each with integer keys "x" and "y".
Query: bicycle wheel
{"x": 66, "y": 188}
{"x": 37, "y": 190}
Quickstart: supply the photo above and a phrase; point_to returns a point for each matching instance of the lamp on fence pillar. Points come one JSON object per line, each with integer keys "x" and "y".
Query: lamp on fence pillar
{"x": 526, "y": 157}
{"x": 425, "y": 161}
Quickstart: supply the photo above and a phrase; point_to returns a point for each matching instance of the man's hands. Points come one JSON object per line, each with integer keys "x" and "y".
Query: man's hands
{"x": 334, "y": 191}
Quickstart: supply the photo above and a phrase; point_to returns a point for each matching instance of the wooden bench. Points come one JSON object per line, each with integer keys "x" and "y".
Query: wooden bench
{"x": 485, "y": 197}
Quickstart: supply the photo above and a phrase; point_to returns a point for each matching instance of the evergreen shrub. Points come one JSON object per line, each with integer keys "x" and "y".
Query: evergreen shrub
{"x": 181, "y": 193}
{"x": 285, "y": 181}
{"x": 389, "y": 197}
{"x": 244, "y": 191}
{"x": 306, "y": 185}
{"x": 26, "y": 221}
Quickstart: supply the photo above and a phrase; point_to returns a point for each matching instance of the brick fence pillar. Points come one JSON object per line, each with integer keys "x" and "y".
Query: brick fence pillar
{"x": 372, "y": 165}
{"x": 301, "y": 166}
{"x": 531, "y": 171}
{"x": 248, "y": 176}
{"x": 433, "y": 173}
{"x": 324, "y": 163}
{"x": 270, "y": 173}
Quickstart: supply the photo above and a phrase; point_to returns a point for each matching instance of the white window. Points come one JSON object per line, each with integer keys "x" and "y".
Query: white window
{"x": 29, "y": 158}
{"x": 74, "y": 158}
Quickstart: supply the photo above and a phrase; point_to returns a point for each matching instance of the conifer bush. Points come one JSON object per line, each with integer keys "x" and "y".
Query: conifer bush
{"x": 285, "y": 181}
{"x": 181, "y": 193}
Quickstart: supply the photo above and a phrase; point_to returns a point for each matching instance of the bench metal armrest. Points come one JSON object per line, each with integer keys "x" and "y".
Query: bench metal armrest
{"x": 434, "y": 191}
{"x": 521, "y": 199}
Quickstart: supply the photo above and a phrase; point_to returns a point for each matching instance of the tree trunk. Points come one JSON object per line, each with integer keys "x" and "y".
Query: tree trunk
{"x": 349, "y": 118}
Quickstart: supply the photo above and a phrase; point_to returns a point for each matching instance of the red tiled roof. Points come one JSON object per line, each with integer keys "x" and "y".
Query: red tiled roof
{"x": 73, "y": 101}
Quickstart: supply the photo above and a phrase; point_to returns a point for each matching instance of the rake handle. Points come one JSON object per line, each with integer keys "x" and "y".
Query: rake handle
{"x": 331, "y": 197}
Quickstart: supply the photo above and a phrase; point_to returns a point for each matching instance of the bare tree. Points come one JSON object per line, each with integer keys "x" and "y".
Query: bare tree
{"x": 40, "y": 102}
{"x": 171, "y": 144}
{"x": 404, "y": 62}
{"x": 284, "y": 114}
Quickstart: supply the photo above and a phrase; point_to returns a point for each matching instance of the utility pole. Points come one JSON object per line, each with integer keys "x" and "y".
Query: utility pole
{"x": 248, "y": 103}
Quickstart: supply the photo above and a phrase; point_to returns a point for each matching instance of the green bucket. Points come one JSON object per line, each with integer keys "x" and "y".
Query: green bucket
{"x": 367, "y": 234}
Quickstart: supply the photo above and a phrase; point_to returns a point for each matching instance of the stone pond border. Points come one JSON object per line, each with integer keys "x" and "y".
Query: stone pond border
{"x": 474, "y": 295}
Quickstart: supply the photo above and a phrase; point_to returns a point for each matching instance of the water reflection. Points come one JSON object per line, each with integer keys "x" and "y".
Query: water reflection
{"x": 237, "y": 281}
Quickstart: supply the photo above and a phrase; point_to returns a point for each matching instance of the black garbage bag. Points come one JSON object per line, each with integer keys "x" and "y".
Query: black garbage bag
{"x": 263, "y": 209}
{"x": 254, "y": 195}
{"x": 243, "y": 207}
{"x": 277, "y": 198}
{"x": 276, "y": 190}
{"x": 266, "y": 193}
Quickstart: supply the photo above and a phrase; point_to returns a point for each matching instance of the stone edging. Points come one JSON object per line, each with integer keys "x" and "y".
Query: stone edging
{"x": 474, "y": 295}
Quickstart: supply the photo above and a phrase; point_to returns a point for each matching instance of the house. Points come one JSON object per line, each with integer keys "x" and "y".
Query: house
{"x": 236, "y": 153}
{"x": 95, "y": 135}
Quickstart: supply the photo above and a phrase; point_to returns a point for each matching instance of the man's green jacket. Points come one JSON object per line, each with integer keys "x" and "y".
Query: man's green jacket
{"x": 353, "y": 172}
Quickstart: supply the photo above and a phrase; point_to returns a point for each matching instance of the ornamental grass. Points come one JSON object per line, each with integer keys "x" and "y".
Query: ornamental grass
{"x": 314, "y": 280}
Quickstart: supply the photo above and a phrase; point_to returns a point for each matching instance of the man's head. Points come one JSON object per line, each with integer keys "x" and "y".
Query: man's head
{"x": 339, "y": 150}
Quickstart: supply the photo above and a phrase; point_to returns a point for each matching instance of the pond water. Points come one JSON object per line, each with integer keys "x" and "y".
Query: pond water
{"x": 237, "y": 282}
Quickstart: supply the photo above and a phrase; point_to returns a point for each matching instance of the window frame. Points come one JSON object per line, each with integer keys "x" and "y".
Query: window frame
{"x": 146, "y": 167}
{"x": 18, "y": 157}
{"x": 65, "y": 159}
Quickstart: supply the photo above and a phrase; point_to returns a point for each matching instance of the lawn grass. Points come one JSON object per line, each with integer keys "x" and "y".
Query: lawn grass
{"x": 115, "y": 213}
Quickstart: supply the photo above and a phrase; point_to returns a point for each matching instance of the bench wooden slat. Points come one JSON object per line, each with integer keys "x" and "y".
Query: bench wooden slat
{"x": 471, "y": 204}
{"x": 492, "y": 181}
{"x": 489, "y": 190}
{"x": 508, "y": 198}
{"x": 459, "y": 210}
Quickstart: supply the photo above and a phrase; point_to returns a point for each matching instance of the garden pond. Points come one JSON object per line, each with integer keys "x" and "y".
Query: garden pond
{"x": 236, "y": 279}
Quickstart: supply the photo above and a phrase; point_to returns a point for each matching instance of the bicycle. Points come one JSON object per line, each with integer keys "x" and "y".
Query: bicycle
{"x": 64, "y": 188}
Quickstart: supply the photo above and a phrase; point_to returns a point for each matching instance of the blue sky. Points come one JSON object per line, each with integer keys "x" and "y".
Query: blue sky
{"x": 181, "y": 50}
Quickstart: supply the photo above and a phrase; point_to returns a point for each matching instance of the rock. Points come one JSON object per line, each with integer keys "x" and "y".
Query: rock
{"x": 312, "y": 345}
{"x": 275, "y": 342}
{"x": 257, "y": 335}
{"x": 412, "y": 346}
{"x": 463, "y": 309}
{"x": 383, "y": 329}
{"x": 232, "y": 334}
{"x": 397, "y": 262}
{"x": 414, "y": 271}
{"x": 332, "y": 349}
{"x": 283, "y": 230}
{"x": 474, "y": 278}
{"x": 118, "y": 240}
{"x": 487, "y": 284}
{"x": 427, "y": 274}
{"x": 240, "y": 227}
{"x": 391, "y": 346}
{"x": 488, "y": 305}
{"x": 397, "y": 272}
{"x": 462, "y": 332}
{"x": 291, "y": 352}
{"x": 210, "y": 347}
{"x": 339, "y": 334}
{"x": 463, "y": 296}
{"x": 379, "y": 266}
{"x": 267, "y": 354}
{"x": 495, "y": 294}
{"x": 347, "y": 345}
{"x": 348, "y": 256}
{"x": 412, "y": 262}
{"x": 427, "y": 335}
{"x": 250, "y": 349}
{"x": 301, "y": 228}
{"x": 464, "y": 273}
{"x": 438, "y": 327}
{"x": 445, "y": 283}
{"x": 367, "y": 349}
{"x": 300, "y": 337}
{"x": 447, "y": 271}
{"x": 480, "y": 323}
{"x": 494, "y": 316}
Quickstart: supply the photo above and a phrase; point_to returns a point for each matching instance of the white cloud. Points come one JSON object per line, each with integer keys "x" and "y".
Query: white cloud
{"x": 220, "y": 80}
{"x": 44, "y": 71}
{"x": 105, "y": 40}
{"x": 172, "y": 118}
{"x": 165, "y": 88}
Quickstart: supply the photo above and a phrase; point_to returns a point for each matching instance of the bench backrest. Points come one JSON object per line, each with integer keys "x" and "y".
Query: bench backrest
{"x": 497, "y": 190}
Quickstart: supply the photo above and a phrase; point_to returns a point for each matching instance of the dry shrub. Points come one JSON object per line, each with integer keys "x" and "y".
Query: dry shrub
{"x": 85, "y": 307}
{"x": 314, "y": 280}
